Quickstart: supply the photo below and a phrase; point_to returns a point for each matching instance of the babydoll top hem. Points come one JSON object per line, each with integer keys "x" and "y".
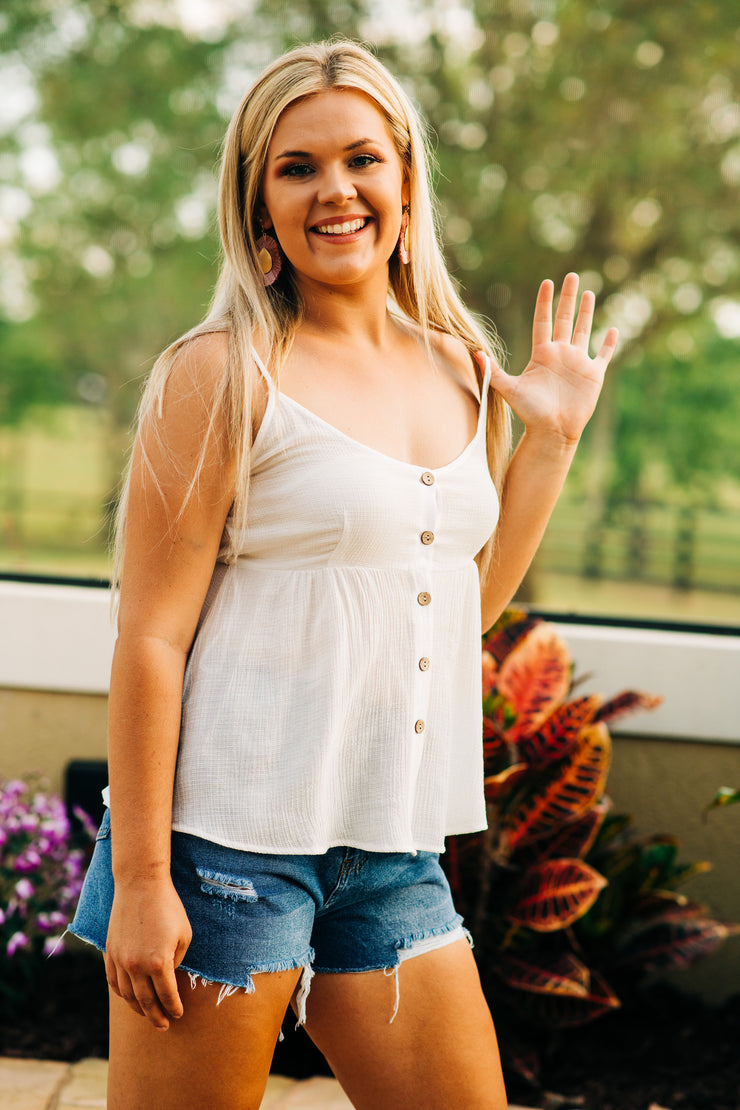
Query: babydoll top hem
{"x": 321, "y": 847}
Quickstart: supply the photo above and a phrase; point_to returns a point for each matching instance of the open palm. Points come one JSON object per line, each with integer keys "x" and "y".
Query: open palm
{"x": 557, "y": 391}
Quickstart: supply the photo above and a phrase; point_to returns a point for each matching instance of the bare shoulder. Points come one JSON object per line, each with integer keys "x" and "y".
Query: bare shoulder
{"x": 455, "y": 358}
{"x": 200, "y": 363}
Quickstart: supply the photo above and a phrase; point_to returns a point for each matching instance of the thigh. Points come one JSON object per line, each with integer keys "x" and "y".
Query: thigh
{"x": 438, "y": 1053}
{"x": 217, "y": 1055}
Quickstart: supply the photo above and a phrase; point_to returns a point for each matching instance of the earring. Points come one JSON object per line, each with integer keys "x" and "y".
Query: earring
{"x": 403, "y": 238}
{"x": 268, "y": 257}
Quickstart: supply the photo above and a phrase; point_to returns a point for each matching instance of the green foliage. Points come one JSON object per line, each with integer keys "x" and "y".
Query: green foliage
{"x": 567, "y": 907}
{"x": 601, "y": 138}
{"x": 725, "y": 796}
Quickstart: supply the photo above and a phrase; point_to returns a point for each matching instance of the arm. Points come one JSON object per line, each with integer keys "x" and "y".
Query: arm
{"x": 554, "y": 397}
{"x": 169, "y": 559}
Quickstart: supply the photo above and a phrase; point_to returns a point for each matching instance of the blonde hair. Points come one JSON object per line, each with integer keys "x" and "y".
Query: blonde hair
{"x": 244, "y": 308}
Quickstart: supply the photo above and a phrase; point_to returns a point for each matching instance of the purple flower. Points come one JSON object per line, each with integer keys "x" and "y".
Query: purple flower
{"x": 27, "y": 861}
{"x": 24, "y": 889}
{"x": 17, "y": 941}
{"x": 53, "y": 946}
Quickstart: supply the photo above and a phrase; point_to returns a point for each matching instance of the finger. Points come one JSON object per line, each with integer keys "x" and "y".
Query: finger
{"x": 542, "y": 326}
{"x": 566, "y": 309}
{"x": 148, "y": 1002}
{"x": 111, "y": 975}
{"x": 127, "y": 991}
{"x": 609, "y": 346}
{"x": 165, "y": 985}
{"x": 503, "y": 383}
{"x": 582, "y": 331}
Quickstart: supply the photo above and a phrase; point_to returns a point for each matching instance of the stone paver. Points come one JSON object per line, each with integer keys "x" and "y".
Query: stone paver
{"x": 30, "y": 1084}
{"x": 277, "y": 1088}
{"x": 318, "y": 1093}
{"x": 85, "y": 1086}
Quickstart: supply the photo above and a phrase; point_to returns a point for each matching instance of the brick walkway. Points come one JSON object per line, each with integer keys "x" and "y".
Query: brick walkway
{"x": 50, "y": 1085}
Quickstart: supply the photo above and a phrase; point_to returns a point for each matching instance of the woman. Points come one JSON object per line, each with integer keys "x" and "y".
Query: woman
{"x": 309, "y": 561}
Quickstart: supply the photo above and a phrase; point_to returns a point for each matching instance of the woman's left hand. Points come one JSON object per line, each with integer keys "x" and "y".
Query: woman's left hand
{"x": 557, "y": 391}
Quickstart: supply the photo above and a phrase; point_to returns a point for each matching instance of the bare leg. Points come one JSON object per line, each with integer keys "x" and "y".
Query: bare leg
{"x": 440, "y": 1051}
{"x": 215, "y": 1056}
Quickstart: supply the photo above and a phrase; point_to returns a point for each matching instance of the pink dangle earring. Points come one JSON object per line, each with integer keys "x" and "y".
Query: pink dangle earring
{"x": 403, "y": 238}
{"x": 268, "y": 257}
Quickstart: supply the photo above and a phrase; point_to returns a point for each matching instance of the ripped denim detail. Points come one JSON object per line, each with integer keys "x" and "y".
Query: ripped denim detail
{"x": 227, "y": 989}
{"x": 417, "y": 945}
{"x": 230, "y": 887}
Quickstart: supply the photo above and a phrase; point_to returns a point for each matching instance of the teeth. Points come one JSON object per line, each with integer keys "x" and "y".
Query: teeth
{"x": 341, "y": 229}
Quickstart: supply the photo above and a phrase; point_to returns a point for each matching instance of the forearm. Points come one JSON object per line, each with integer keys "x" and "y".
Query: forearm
{"x": 533, "y": 482}
{"x": 143, "y": 731}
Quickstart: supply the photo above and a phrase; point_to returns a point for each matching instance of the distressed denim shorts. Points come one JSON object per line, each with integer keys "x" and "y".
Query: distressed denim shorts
{"x": 347, "y": 910}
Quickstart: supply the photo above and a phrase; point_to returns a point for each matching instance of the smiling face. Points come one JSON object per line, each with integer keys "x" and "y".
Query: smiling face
{"x": 334, "y": 188}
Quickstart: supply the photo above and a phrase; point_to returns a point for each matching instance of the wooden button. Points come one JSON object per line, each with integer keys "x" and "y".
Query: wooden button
{"x": 424, "y": 598}
{"x": 427, "y": 538}
{"x": 427, "y": 478}
{"x": 419, "y": 726}
{"x": 423, "y": 663}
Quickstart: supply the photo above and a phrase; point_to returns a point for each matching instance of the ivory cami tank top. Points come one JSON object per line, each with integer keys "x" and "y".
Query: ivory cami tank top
{"x": 333, "y": 691}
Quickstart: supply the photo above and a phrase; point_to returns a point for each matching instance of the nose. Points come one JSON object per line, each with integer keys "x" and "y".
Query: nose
{"x": 336, "y": 186}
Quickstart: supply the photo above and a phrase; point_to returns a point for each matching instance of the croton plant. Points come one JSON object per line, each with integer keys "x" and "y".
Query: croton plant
{"x": 568, "y": 908}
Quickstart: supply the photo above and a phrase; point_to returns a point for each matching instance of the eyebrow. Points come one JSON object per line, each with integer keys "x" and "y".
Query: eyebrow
{"x": 307, "y": 153}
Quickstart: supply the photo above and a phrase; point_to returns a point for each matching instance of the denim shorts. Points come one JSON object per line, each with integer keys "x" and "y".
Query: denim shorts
{"x": 347, "y": 910}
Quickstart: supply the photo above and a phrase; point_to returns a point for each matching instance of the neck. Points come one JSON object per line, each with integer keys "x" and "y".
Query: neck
{"x": 355, "y": 312}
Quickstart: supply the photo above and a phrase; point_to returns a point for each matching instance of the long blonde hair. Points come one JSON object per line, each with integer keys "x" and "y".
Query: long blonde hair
{"x": 244, "y": 308}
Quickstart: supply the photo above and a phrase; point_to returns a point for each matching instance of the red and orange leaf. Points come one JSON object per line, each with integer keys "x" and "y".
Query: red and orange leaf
{"x": 557, "y": 735}
{"x": 493, "y": 737}
{"x": 672, "y": 941}
{"x": 506, "y": 634}
{"x": 575, "y": 839}
{"x": 565, "y": 975}
{"x": 490, "y": 672}
{"x": 535, "y": 678}
{"x": 556, "y": 893}
{"x": 498, "y": 786}
{"x": 627, "y": 702}
{"x": 578, "y": 784}
{"x": 561, "y": 1011}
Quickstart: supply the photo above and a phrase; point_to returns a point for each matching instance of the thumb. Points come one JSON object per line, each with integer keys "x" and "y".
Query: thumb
{"x": 502, "y": 382}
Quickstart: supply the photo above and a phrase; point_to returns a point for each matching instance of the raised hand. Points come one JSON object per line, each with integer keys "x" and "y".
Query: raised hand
{"x": 557, "y": 391}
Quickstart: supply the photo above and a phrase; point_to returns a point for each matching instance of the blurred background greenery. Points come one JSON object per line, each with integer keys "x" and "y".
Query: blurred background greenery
{"x": 595, "y": 135}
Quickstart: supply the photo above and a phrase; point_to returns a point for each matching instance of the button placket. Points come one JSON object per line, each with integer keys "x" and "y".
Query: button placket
{"x": 424, "y": 598}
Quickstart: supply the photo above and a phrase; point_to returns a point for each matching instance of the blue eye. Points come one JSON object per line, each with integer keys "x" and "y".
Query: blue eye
{"x": 362, "y": 160}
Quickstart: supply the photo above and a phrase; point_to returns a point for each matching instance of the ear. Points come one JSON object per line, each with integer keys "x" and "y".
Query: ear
{"x": 405, "y": 192}
{"x": 264, "y": 216}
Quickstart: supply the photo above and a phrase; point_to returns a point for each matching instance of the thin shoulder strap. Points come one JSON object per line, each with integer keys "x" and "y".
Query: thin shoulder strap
{"x": 485, "y": 382}
{"x": 261, "y": 365}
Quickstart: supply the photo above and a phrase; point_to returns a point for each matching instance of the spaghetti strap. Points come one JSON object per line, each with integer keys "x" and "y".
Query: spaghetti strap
{"x": 263, "y": 369}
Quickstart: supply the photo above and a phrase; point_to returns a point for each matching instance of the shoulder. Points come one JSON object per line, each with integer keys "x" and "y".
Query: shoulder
{"x": 455, "y": 358}
{"x": 199, "y": 363}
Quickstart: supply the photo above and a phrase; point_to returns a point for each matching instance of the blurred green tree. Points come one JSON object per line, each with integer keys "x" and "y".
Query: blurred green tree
{"x": 571, "y": 134}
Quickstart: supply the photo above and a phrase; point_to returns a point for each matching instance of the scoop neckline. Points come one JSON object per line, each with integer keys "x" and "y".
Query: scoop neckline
{"x": 382, "y": 454}
{"x": 275, "y": 393}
